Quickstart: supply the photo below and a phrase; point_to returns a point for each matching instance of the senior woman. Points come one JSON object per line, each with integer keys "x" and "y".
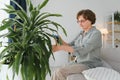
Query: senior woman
{"x": 86, "y": 47}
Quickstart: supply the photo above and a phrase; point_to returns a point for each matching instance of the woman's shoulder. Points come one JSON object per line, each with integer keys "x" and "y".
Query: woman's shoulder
{"x": 95, "y": 30}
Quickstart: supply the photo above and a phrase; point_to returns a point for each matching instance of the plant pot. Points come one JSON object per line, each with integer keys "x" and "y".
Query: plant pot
{"x": 6, "y": 72}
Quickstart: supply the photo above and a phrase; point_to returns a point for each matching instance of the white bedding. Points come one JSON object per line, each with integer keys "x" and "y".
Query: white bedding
{"x": 101, "y": 73}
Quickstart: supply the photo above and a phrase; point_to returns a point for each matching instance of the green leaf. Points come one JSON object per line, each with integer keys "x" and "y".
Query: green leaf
{"x": 34, "y": 14}
{"x": 10, "y": 7}
{"x": 6, "y": 24}
{"x": 49, "y": 15}
{"x": 29, "y": 4}
{"x": 40, "y": 6}
{"x": 17, "y": 5}
{"x": 23, "y": 16}
{"x": 18, "y": 59}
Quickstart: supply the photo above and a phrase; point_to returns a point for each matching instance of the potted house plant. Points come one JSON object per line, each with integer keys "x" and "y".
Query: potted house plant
{"x": 117, "y": 16}
{"x": 30, "y": 46}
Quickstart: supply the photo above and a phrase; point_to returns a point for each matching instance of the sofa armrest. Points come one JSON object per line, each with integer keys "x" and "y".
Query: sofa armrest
{"x": 112, "y": 57}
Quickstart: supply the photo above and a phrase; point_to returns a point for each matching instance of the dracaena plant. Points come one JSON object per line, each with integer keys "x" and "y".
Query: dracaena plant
{"x": 116, "y": 16}
{"x": 30, "y": 46}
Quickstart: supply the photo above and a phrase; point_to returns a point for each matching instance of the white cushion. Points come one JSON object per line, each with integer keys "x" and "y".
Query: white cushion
{"x": 101, "y": 73}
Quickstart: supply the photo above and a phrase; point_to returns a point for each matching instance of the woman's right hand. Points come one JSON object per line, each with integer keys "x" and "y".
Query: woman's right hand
{"x": 67, "y": 48}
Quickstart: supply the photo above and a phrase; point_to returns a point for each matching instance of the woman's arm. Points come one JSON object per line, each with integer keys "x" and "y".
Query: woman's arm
{"x": 66, "y": 48}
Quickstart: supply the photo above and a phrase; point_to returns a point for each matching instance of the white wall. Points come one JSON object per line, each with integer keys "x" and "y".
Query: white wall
{"x": 69, "y": 8}
{"x": 3, "y": 15}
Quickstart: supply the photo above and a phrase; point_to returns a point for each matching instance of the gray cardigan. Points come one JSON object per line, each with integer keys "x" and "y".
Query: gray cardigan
{"x": 87, "y": 48}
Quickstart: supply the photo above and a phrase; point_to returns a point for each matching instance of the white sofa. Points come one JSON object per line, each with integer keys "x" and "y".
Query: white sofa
{"x": 109, "y": 55}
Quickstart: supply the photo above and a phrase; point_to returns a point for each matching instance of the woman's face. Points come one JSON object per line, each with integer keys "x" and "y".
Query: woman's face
{"x": 85, "y": 24}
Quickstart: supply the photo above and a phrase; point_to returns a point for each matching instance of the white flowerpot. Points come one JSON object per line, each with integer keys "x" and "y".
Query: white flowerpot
{"x": 5, "y": 71}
